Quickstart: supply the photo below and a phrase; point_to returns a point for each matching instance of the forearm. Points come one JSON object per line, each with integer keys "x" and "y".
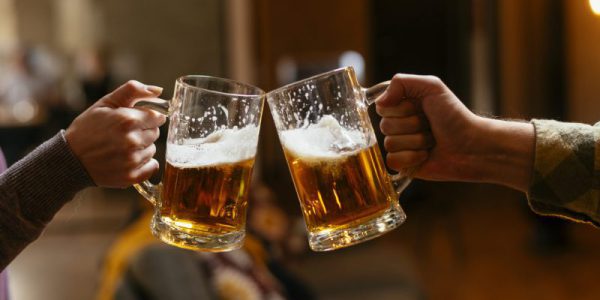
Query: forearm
{"x": 504, "y": 153}
{"x": 33, "y": 190}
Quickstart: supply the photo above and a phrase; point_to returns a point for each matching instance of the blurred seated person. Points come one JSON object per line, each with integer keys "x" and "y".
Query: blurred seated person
{"x": 28, "y": 88}
{"x": 94, "y": 73}
{"x": 30, "y": 76}
{"x": 139, "y": 266}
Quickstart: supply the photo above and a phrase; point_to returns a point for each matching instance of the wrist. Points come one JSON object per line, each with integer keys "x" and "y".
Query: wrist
{"x": 504, "y": 152}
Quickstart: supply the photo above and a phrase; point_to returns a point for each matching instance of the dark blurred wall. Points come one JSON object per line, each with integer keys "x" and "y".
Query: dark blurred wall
{"x": 531, "y": 58}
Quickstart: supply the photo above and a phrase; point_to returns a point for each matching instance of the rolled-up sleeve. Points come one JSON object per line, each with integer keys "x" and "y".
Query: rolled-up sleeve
{"x": 566, "y": 173}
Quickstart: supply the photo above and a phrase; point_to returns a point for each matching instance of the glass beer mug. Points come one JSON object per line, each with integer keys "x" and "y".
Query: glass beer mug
{"x": 345, "y": 192}
{"x": 211, "y": 145}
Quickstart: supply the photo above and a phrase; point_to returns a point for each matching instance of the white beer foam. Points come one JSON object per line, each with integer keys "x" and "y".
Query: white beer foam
{"x": 325, "y": 140}
{"x": 221, "y": 147}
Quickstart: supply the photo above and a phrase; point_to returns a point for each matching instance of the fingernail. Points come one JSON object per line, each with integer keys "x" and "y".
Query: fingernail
{"x": 157, "y": 90}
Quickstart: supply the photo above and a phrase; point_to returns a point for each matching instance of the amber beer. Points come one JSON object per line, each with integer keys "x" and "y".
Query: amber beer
{"x": 338, "y": 192}
{"x": 206, "y": 199}
{"x": 205, "y": 188}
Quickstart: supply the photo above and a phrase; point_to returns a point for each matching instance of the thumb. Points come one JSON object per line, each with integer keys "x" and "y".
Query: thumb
{"x": 407, "y": 86}
{"x": 127, "y": 94}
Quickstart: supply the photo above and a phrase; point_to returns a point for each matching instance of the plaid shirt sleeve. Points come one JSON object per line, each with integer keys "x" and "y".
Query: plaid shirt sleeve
{"x": 566, "y": 173}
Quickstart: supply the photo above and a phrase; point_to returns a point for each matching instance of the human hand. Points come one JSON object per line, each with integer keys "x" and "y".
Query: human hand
{"x": 115, "y": 142}
{"x": 429, "y": 129}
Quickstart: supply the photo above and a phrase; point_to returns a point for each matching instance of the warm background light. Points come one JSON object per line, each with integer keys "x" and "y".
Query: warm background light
{"x": 595, "y": 4}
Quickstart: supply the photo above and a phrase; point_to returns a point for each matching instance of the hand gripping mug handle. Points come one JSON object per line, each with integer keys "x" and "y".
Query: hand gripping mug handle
{"x": 403, "y": 178}
{"x": 151, "y": 191}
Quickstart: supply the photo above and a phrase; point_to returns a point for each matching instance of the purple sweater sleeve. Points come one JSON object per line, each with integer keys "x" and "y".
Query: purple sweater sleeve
{"x": 33, "y": 190}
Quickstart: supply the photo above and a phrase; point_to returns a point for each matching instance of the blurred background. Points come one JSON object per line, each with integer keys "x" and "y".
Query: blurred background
{"x": 510, "y": 58}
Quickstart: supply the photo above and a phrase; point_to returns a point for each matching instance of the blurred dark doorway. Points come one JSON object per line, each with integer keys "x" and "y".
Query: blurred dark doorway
{"x": 532, "y": 63}
{"x": 429, "y": 37}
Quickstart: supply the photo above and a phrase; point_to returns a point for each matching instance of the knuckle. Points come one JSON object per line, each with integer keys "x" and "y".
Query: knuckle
{"x": 131, "y": 141}
{"x": 414, "y": 122}
{"x": 379, "y": 109}
{"x": 132, "y": 158}
{"x": 434, "y": 79}
{"x": 393, "y": 161}
{"x": 160, "y": 119}
{"x": 131, "y": 85}
{"x": 155, "y": 165}
{"x": 417, "y": 157}
{"x": 125, "y": 121}
{"x": 385, "y": 126}
{"x": 388, "y": 143}
{"x": 151, "y": 150}
{"x": 131, "y": 177}
{"x": 127, "y": 124}
{"x": 407, "y": 157}
{"x": 397, "y": 78}
{"x": 155, "y": 134}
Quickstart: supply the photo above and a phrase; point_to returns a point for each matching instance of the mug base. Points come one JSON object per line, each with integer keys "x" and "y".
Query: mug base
{"x": 197, "y": 241}
{"x": 332, "y": 239}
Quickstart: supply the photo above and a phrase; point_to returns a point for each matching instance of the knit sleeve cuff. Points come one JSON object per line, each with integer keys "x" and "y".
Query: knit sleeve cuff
{"x": 564, "y": 180}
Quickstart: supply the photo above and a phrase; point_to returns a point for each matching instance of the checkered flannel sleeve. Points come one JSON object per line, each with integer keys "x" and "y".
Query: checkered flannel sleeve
{"x": 566, "y": 173}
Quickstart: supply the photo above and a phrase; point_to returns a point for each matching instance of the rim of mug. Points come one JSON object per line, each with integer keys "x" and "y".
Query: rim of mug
{"x": 181, "y": 81}
{"x": 302, "y": 81}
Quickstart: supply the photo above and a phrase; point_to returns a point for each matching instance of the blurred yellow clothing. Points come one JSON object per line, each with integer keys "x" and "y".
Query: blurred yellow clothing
{"x": 138, "y": 236}
{"x": 135, "y": 238}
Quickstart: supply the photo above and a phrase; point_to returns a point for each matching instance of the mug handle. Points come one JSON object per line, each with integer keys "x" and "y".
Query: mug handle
{"x": 146, "y": 188}
{"x": 403, "y": 178}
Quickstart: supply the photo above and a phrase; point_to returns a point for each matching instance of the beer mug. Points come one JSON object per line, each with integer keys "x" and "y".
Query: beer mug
{"x": 211, "y": 144}
{"x": 345, "y": 192}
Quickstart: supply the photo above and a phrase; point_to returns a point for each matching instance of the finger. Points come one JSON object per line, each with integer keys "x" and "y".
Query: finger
{"x": 419, "y": 141}
{"x": 139, "y": 118}
{"x": 401, "y": 109}
{"x": 127, "y": 94}
{"x": 152, "y": 119}
{"x": 141, "y": 157}
{"x": 406, "y": 86}
{"x": 138, "y": 139}
{"x": 405, "y": 159}
{"x": 149, "y": 136}
{"x": 407, "y": 125}
{"x": 144, "y": 172}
